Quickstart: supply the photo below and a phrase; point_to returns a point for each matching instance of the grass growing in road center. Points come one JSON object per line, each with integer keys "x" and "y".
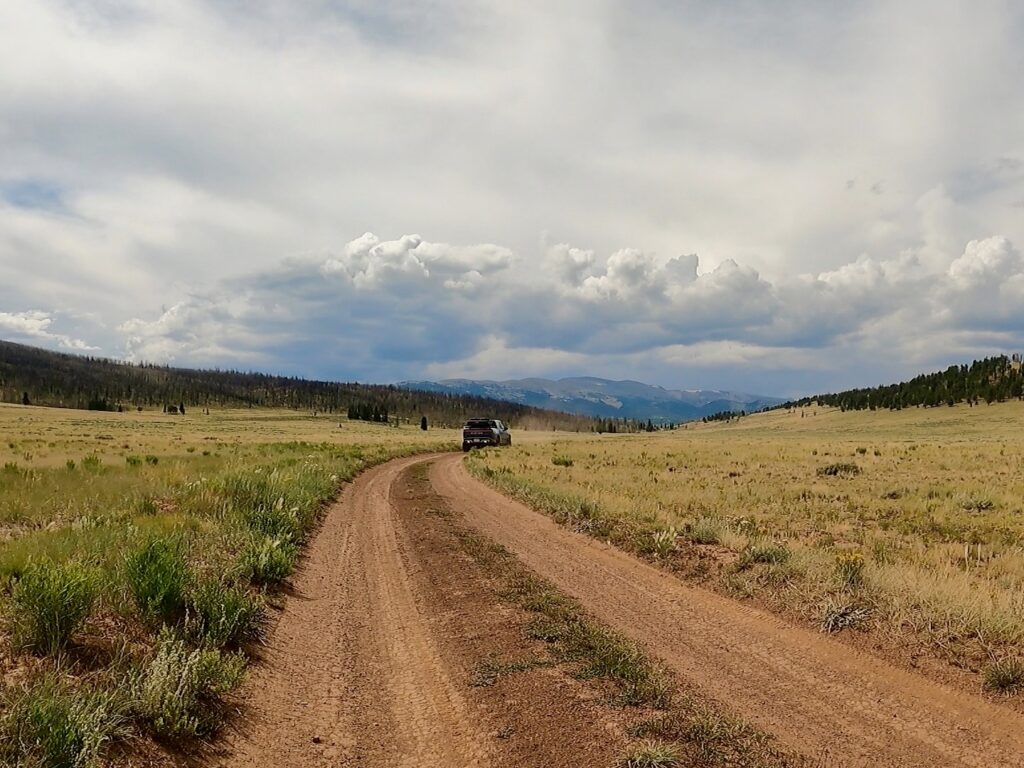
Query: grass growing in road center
{"x": 679, "y": 727}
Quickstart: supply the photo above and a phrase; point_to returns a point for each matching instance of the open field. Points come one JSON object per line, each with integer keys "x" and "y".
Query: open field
{"x": 901, "y": 531}
{"x": 139, "y": 554}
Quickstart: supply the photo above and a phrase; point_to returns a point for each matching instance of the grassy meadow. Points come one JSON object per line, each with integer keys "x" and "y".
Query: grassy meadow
{"x": 138, "y": 555}
{"x": 899, "y": 529}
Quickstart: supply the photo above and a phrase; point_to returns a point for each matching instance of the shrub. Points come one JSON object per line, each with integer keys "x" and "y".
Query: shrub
{"x": 133, "y": 461}
{"x": 92, "y": 463}
{"x": 849, "y": 569}
{"x": 152, "y": 460}
{"x": 51, "y": 725}
{"x": 561, "y": 461}
{"x": 157, "y": 577}
{"x": 225, "y": 614}
{"x": 652, "y": 754}
{"x": 771, "y": 553}
{"x": 1005, "y": 675}
{"x": 49, "y": 603}
{"x": 839, "y": 469}
{"x": 178, "y": 693}
{"x": 266, "y": 560}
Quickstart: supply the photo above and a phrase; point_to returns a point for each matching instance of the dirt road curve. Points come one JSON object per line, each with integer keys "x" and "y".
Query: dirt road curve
{"x": 817, "y": 696}
{"x": 353, "y": 674}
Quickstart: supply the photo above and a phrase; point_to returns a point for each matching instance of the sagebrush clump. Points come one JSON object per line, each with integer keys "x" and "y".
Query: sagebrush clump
{"x": 179, "y": 691}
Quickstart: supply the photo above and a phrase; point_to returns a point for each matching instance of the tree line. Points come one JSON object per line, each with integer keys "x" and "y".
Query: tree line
{"x": 35, "y": 376}
{"x": 993, "y": 379}
{"x": 724, "y": 416}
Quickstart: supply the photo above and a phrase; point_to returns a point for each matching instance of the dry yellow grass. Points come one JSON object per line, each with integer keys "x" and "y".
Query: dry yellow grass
{"x": 60, "y": 465}
{"x": 932, "y": 513}
{"x": 47, "y": 437}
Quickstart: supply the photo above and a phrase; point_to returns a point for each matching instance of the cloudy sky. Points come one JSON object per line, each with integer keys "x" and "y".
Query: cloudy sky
{"x": 776, "y": 197}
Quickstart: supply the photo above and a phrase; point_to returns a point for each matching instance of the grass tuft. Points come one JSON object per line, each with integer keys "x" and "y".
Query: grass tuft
{"x": 49, "y": 724}
{"x": 839, "y": 469}
{"x": 652, "y": 754}
{"x": 225, "y": 614}
{"x": 266, "y": 560}
{"x": 1005, "y": 675}
{"x": 157, "y": 577}
{"x": 705, "y": 530}
{"x": 487, "y": 672}
{"x": 768, "y": 553}
{"x": 849, "y": 569}
{"x": 600, "y": 653}
{"x": 49, "y": 603}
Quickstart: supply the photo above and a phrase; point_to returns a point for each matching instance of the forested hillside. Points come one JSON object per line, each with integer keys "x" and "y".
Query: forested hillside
{"x": 41, "y": 377}
{"x": 991, "y": 380}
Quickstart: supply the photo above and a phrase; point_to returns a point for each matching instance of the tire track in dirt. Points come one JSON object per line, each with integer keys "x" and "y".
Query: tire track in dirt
{"x": 352, "y": 675}
{"x": 817, "y": 696}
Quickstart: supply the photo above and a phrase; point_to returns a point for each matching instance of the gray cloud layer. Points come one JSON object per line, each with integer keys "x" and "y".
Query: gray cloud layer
{"x": 175, "y": 178}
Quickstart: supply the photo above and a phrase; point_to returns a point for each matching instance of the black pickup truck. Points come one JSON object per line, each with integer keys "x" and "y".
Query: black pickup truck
{"x": 477, "y": 433}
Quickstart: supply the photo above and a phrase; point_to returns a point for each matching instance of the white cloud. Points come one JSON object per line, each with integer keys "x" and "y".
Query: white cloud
{"x": 988, "y": 261}
{"x": 36, "y": 326}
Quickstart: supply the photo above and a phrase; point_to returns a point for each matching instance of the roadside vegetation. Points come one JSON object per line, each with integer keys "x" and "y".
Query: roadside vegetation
{"x": 132, "y": 593}
{"x": 903, "y": 525}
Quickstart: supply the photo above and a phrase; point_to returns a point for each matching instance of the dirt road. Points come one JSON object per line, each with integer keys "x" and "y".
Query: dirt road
{"x": 350, "y": 645}
{"x": 817, "y": 696}
{"x": 372, "y": 660}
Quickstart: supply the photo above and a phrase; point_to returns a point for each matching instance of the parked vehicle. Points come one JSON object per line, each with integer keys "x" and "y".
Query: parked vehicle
{"x": 477, "y": 433}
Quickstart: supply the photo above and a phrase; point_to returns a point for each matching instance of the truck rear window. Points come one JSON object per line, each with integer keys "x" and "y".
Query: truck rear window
{"x": 479, "y": 424}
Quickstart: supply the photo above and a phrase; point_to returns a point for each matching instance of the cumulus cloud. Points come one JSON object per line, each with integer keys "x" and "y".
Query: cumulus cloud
{"x": 36, "y": 326}
{"x": 413, "y": 307}
{"x": 370, "y": 263}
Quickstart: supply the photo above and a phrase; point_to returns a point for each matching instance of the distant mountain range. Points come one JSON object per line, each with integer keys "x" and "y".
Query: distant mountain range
{"x": 603, "y": 398}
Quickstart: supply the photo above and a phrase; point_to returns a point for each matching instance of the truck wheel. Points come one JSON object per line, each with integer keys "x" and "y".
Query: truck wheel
{"x": 465, "y": 448}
